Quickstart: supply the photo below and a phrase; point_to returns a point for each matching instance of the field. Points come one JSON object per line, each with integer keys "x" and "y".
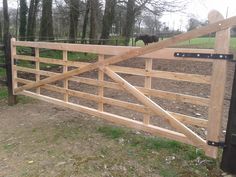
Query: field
{"x": 40, "y": 139}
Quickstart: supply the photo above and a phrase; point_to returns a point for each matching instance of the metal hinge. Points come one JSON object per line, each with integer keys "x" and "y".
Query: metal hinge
{"x": 204, "y": 55}
{"x": 220, "y": 144}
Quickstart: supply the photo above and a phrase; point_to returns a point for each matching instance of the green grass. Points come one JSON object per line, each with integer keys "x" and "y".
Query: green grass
{"x": 158, "y": 150}
{"x": 3, "y": 93}
{"x": 202, "y": 42}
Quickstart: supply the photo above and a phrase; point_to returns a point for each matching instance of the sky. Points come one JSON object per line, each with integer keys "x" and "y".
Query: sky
{"x": 195, "y": 8}
{"x": 199, "y": 9}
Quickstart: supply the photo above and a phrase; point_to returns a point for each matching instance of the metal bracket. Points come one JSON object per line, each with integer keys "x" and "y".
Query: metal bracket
{"x": 204, "y": 55}
{"x": 220, "y": 144}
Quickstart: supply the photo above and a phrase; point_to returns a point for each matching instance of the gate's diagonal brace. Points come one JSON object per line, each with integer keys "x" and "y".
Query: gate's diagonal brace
{"x": 218, "y": 26}
{"x": 155, "y": 108}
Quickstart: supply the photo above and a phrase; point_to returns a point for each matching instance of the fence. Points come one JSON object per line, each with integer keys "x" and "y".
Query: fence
{"x": 145, "y": 104}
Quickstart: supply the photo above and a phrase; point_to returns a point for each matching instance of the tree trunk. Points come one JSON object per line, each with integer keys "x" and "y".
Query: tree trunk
{"x": 74, "y": 19}
{"x": 85, "y": 24}
{"x": 94, "y": 4}
{"x": 31, "y": 25}
{"x": 23, "y": 13}
{"x": 108, "y": 19}
{"x": 130, "y": 20}
{"x": 46, "y": 26}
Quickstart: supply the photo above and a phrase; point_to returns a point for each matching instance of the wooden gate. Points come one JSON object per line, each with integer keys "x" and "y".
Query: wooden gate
{"x": 183, "y": 126}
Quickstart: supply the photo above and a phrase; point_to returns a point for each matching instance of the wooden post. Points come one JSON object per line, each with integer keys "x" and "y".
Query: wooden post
{"x": 65, "y": 69}
{"x": 101, "y": 88}
{"x": 11, "y": 74}
{"x": 229, "y": 153}
{"x": 148, "y": 85}
{"x": 37, "y": 67}
{"x": 219, "y": 72}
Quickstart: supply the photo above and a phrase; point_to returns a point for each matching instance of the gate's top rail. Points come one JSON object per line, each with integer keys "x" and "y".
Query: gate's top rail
{"x": 167, "y": 53}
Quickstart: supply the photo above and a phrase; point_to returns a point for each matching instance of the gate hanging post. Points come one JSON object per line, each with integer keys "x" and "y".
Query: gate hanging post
{"x": 8, "y": 60}
{"x": 228, "y": 161}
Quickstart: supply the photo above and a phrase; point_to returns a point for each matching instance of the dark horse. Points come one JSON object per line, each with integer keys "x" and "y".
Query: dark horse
{"x": 147, "y": 39}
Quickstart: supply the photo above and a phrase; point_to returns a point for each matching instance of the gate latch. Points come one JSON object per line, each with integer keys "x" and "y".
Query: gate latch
{"x": 220, "y": 144}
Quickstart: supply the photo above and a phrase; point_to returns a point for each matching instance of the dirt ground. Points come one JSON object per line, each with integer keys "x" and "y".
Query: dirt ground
{"x": 40, "y": 139}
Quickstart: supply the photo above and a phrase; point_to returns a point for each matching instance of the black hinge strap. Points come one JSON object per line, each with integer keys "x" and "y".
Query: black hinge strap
{"x": 220, "y": 144}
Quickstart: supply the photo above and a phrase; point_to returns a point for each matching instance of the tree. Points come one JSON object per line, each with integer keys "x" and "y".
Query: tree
{"x": 31, "y": 24}
{"x": 193, "y": 23}
{"x": 74, "y": 18}
{"x": 23, "y": 13}
{"x": 130, "y": 20}
{"x": 46, "y": 25}
{"x": 94, "y": 6}
{"x": 108, "y": 18}
{"x": 85, "y": 23}
{"x": 135, "y": 7}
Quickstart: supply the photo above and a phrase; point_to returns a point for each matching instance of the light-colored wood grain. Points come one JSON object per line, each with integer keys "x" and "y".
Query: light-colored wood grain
{"x": 152, "y": 92}
{"x": 200, "y": 122}
{"x": 166, "y": 53}
{"x": 65, "y": 69}
{"x": 115, "y": 118}
{"x": 196, "y": 139}
{"x": 100, "y": 88}
{"x": 222, "y": 25}
{"x": 219, "y": 72}
{"x": 147, "y": 85}
{"x": 204, "y": 79}
{"x": 14, "y": 71}
{"x": 37, "y": 67}
{"x": 128, "y": 70}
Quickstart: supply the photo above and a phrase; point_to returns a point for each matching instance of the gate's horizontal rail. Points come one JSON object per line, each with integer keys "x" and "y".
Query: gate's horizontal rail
{"x": 135, "y": 107}
{"x": 167, "y": 53}
{"x": 196, "y": 78}
{"x": 152, "y": 92}
{"x": 163, "y": 74}
{"x": 118, "y": 119}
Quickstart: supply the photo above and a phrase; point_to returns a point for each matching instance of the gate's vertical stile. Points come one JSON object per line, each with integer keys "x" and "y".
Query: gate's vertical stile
{"x": 148, "y": 85}
{"x": 65, "y": 69}
{"x": 13, "y": 70}
{"x": 219, "y": 73}
{"x": 37, "y": 65}
{"x": 100, "y": 88}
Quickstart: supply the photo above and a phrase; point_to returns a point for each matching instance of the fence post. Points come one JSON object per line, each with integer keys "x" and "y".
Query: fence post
{"x": 8, "y": 60}
{"x": 229, "y": 153}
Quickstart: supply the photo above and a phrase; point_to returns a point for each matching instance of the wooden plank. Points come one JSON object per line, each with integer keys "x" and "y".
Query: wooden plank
{"x": 147, "y": 85}
{"x": 200, "y": 122}
{"x": 51, "y": 61}
{"x": 37, "y": 65}
{"x": 219, "y": 72}
{"x": 128, "y": 70}
{"x": 152, "y": 92}
{"x": 66, "y": 81}
{"x": 196, "y": 139}
{"x": 137, "y": 52}
{"x": 167, "y": 53}
{"x": 204, "y": 79}
{"x": 100, "y": 88}
{"x": 115, "y": 118}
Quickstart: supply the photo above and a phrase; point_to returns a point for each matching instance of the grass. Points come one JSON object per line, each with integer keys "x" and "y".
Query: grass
{"x": 202, "y": 42}
{"x": 162, "y": 152}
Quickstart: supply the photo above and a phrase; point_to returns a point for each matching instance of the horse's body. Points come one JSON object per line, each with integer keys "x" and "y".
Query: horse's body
{"x": 147, "y": 39}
